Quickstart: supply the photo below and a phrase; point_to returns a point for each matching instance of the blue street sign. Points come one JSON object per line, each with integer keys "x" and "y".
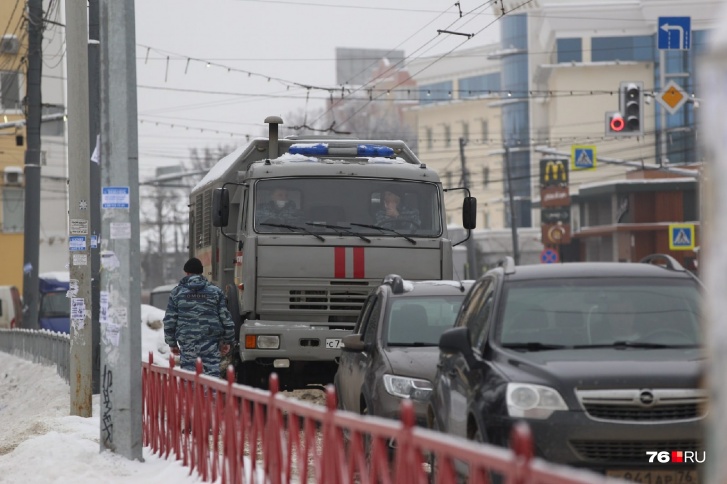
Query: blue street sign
{"x": 681, "y": 236}
{"x": 583, "y": 157}
{"x": 674, "y": 33}
{"x": 548, "y": 256}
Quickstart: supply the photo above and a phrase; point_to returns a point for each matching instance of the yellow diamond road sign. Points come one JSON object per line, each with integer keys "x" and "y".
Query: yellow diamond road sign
{"x": 672, "y": 97}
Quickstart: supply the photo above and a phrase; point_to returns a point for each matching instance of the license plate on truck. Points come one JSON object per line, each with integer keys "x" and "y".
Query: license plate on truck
{"x": 333, "y": 343}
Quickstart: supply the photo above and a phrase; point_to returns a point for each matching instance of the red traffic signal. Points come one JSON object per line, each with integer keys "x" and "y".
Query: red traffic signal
{"x": 617, "y": 122}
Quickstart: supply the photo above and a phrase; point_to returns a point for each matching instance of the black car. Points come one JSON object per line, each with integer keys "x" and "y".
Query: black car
{"x": 602, "y": 360}
{"x": 392, "y": 353}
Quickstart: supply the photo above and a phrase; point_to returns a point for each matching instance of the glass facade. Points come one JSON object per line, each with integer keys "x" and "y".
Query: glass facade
{"x": 624, "y": 48}
{"x": 478, "y": 85}
{"x": 681, "y": 144}
{"x": 436, "y": 92}
{"x": 569, "y": 50}
{"x": 515, "y": 116}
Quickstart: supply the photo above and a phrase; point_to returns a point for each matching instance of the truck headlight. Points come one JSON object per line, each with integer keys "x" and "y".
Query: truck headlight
{"x": 266, "y": 342}
{"x": 533, "y": 401}
{"x": 405, "y": 387}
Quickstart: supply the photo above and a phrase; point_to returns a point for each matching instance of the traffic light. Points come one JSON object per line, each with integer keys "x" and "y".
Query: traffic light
{"x": 632, "y": 107}
{"x": 628, "y": 120}
{"x": 616, "y": 124}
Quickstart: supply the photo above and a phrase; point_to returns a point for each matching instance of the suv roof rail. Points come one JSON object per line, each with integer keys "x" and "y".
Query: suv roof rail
{"x": 670, "y": 262}
{"x": 508, "y": 264}
{"x": 396, "y": 282}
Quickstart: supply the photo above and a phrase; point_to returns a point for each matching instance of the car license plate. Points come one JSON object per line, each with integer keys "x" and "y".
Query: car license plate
{"x": 648, "y": 476}
{"x": 333, "y": 343}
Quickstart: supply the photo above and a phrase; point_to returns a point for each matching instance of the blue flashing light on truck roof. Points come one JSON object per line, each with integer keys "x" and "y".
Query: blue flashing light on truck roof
{"x": 321, "y": 149}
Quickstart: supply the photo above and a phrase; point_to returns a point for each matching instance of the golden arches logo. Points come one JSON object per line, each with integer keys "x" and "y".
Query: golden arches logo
{"x": 555, "y": 167}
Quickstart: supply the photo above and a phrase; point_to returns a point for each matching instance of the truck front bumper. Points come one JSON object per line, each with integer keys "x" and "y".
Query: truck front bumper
{"x": 298, "y": 341}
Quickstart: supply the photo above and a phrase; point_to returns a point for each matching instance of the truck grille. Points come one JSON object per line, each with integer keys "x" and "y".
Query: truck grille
{"x": 644, "y": 405}
{"x": 627, "y": 451}
{"x": 338, "y": 298}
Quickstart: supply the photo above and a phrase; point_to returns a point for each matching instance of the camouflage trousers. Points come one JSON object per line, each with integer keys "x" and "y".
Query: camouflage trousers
{"x": 208, "y": 352}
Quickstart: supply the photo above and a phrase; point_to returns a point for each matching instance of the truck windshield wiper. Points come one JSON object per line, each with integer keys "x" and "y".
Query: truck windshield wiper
{"x": 385, "y": 229}
{"x": 341, "y": 230}
{"x": 635, "y": 344}
{"x": 533, "y": 346}
{"x": 295, "y": 227}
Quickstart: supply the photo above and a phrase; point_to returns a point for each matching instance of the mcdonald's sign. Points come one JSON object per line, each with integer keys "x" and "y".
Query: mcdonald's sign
{"x": 553, "y": 172}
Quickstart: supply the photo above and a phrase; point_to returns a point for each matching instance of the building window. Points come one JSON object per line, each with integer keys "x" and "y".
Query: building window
{"x": 448, "y": 178}
{"x": 624, "y": 48}
{"x": 485, "y": 176}
{"x": 465, "y": 131}
{"x": 514, "y": 31}
{"x": 428, "y": 135}
{"x": 485, "y": 131}
{"x": 13, "y": 210}
{"x": 447, "y": 136}
{"x": 569, "y": 50}
{"x": 10, "y": 90}
{"x": 55, "y": 127}
{"x": 479, "y": 85}
{"x": 431, "y": 93}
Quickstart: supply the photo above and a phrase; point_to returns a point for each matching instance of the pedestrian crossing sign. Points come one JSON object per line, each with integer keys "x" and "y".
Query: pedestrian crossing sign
{"x": 681, "y": 237}
{"x": 583, "y": 157}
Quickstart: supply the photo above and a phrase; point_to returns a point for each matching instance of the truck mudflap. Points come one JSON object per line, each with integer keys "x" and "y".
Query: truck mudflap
{"x": 297, "y": 341}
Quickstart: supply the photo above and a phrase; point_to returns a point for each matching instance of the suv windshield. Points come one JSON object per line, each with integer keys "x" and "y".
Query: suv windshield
{"x": 625, "y": 313}
{"x": 420, "y": 321}
{"x": 327, "y": 206}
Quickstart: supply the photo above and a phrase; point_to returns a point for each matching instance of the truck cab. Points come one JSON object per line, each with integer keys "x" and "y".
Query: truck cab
{"x": 296, "y": 278}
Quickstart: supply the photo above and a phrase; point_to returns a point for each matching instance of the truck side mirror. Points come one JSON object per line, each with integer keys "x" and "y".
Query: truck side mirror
{"x": 220, "y": 207}
{"x": 469, "y": 213}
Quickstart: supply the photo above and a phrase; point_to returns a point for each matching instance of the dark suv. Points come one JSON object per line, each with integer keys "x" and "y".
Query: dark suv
{"x": 603, "y": 361}
{"x": 392, "y": 352}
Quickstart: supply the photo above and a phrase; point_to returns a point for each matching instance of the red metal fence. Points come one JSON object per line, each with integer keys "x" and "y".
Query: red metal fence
{"x": 239, "y": 434}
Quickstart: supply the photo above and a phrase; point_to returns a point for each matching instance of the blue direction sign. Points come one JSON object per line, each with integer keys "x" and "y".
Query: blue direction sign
{"x": 674, "y": 33}
{"x": 681, "y": 236}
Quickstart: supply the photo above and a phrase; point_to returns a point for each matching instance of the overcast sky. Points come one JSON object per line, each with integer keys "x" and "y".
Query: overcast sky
{"x": 290, "y": 40}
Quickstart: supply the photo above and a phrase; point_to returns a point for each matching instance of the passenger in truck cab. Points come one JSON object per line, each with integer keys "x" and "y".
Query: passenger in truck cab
{"x": 279, "y": 209}
{"x": 394, "y": 213}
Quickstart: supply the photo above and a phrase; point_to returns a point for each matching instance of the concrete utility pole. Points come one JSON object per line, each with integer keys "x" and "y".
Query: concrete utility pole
{"x": 713, "y": 263}
{"x": 120, "y": 298}
{"x": 79, "y": 191}
{"x": 94, "y": 122}
{"x": 31, "y": 240}
{"x": 513, "y": 219}
{"x": 472, "y": 268}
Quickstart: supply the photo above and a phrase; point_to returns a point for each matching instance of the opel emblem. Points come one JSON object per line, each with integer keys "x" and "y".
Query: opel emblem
{"x": 646, "y": 398}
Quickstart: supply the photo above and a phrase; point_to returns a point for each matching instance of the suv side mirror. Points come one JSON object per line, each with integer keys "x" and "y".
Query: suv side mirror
{"x": 353, "y": 342}
{"x": 469, "y": 213}
{"x": 220, "y": 207}
{"x": 456, "y": 340}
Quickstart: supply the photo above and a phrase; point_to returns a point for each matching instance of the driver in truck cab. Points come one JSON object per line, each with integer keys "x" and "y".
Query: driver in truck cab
{"x": 279, "y": 209}
{"x": 394, "y": 213}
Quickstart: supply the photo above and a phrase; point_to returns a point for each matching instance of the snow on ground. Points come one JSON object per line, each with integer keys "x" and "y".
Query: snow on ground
{"x": 40, "y": 442}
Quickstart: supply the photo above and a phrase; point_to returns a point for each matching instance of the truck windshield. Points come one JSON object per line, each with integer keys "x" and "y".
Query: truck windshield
{"x": 55, "y": 305}
{"x": 349, "y": 206}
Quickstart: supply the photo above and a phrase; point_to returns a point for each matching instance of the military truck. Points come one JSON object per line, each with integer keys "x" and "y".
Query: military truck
{"x": 295, "y": 286}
